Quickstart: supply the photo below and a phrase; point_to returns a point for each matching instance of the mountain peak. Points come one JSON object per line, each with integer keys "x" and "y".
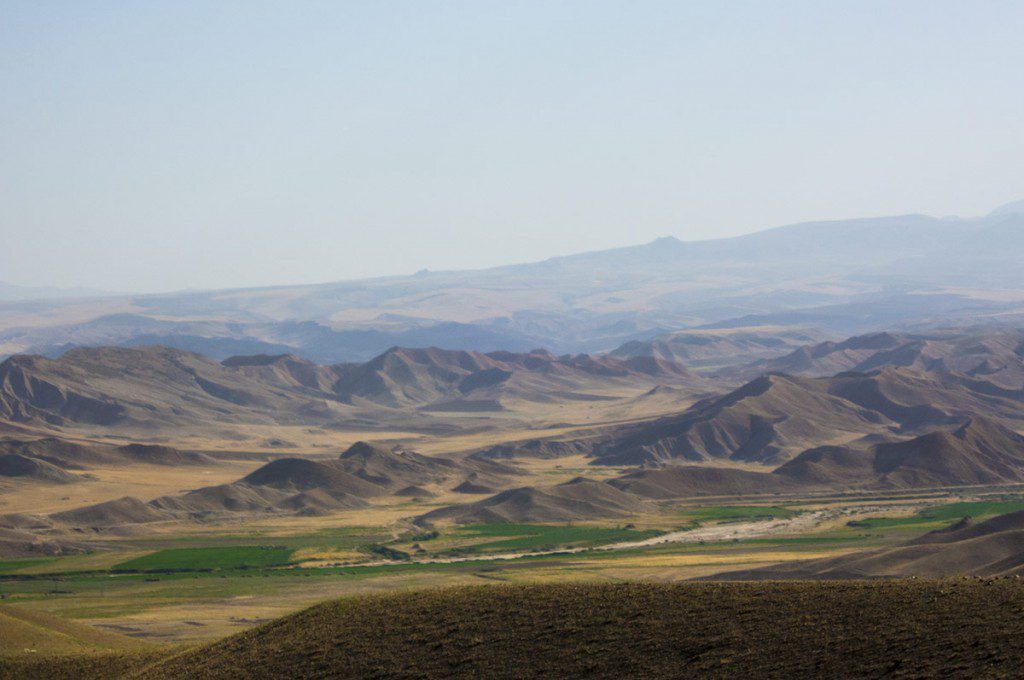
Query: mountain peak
{"x": 364, "y": 450}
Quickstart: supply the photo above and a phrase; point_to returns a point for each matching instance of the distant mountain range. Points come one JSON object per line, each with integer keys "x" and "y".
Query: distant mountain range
{"x": 907, "y": 272}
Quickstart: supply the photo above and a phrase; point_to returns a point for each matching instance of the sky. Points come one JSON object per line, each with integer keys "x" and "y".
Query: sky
{"x": 165, "y": 146}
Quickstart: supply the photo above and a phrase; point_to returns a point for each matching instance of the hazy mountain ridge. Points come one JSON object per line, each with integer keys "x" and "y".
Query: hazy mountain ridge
{"x": 847, "y": 276}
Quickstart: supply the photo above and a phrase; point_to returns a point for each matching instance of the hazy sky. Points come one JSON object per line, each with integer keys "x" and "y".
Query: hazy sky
{"x": 217, "y": 144}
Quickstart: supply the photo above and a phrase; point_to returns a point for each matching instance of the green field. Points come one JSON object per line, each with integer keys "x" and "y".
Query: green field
{"x": 8, "y": 566}
{"x": 737, "y": 513}
{"x": 201, "y": 559}
{"x": 940, "y": 515}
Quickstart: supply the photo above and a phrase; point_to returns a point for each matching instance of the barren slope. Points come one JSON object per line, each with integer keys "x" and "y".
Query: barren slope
{"x": 994, "y": 547}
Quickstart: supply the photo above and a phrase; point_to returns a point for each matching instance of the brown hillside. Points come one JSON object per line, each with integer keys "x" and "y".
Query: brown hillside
{"x": 64, "y": 454}
{"x": 579, "y": 499}
{"x": 299, "y": 474}
{"x": 152, "y": 387}
{"x": 434, "y": 377}
{"x": 979, "y": 452}
{"x": 14, "y": 465}
{"x": 390, "y": 469}
{"x": 832, "y": 466}
{"x": 636, "y": 630}
{"x": 313, "y": 487}
{"x": 772, "y": 418}
{"x": 766, "y": 420}
{"x": 162, "y": 455}
{"x": 991, "y": 548}
{"x": 148, "y": 386}
{"x": 714, "y": 348}
{"x": 122, "y": 511}
{"x": 992, "y": 354}
{"x": 686, "y": 481}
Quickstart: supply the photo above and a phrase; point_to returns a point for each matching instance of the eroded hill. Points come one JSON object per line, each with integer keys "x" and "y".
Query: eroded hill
{"x": 774, "y": 417}
{"x": 156, "y": 388}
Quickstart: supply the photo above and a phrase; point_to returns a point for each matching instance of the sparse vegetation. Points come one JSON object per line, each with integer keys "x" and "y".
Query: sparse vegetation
{"x": 8, "y": 566}
{"x": 852, "y": 629}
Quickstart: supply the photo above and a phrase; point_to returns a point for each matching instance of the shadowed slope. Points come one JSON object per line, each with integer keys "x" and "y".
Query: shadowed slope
{"x": 994, "y": 547}
{"x": 313, "y": 487}
{"x": 458, "y": 379}
{"x": 692, "y": 481}
{"x": 578, "y": 499}
{"x": 118, "y": 512}
{"x": 156, "y": 387}
{"x": 16, "y": 466}
{"x": 776, "y": 416}
{"x": 147, "y": 386}
{"x": 283, "y": 485}
{"x": 978, "y": 452}
{"x": 993, "y": 354}
{"x": 765, "y": 420}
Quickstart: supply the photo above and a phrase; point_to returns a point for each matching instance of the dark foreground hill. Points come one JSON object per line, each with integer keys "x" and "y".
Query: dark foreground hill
{"x": 994, "y": 547}
{"x": 628, "y": 630}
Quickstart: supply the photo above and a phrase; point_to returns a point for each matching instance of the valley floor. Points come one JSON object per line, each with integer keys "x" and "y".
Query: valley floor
{"x": 194, "y": 587}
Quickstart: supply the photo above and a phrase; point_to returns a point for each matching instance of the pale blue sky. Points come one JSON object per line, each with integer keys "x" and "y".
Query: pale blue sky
{"x": 226, "y": 144}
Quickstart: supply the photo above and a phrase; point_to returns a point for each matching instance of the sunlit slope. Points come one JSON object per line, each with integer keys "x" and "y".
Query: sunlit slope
{"x": 27, "y": 632}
